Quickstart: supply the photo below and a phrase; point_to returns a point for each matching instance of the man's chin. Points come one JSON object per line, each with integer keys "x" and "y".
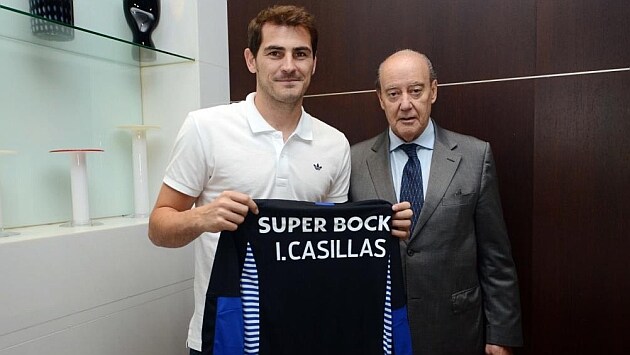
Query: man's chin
{"x": 408, "y": 133}
{"x": 290, "y": 96}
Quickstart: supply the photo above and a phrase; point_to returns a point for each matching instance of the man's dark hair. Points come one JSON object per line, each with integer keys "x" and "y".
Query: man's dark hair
{"x": 282, "y": 15}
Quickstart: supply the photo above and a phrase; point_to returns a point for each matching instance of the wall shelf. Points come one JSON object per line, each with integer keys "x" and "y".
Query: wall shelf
{"x": 16, "y": 25}
{"x": 74, "y": 93}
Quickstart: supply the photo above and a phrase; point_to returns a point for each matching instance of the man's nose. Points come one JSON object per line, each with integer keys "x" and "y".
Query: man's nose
{"x": 288, "y": 64}
{"x": 405, "y": 102}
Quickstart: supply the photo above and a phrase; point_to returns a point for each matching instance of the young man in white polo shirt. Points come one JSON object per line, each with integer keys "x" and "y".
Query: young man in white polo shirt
{"x": 264, "y": 147}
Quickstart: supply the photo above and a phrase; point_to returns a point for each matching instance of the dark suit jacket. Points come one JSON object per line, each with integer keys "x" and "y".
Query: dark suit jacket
{"x": 462, "y": 289}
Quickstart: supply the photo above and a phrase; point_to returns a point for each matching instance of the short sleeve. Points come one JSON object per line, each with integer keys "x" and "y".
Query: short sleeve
{"x": 188, "y": 169}
{"x": 340, "y": 186}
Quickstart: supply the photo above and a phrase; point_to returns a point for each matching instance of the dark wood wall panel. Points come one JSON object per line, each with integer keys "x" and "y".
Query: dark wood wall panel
{"x": 359, "y": 116}
{"x": 581, "y": 215}
{"x": 475, "y": 40}
{"x": 581, "y": 35}
{"x": 466, "y": 40}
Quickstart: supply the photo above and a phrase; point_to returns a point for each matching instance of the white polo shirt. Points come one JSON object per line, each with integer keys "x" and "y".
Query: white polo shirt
{"x": 232, "y": 147}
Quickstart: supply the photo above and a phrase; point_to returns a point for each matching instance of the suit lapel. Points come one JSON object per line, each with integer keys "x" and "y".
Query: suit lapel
{"x": 444, "y": 163}
{"x": 379, "y": 170}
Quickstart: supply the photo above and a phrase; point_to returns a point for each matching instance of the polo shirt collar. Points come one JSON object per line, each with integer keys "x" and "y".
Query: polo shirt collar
{"x": 258, "y": 124}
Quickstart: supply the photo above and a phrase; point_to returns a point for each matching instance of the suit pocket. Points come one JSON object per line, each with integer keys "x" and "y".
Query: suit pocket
{"x": 459, "y": 198}
{"x": 466, "y": 299}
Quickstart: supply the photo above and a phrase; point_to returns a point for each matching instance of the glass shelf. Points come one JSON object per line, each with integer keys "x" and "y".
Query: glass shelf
{"x": 16, "y": 25}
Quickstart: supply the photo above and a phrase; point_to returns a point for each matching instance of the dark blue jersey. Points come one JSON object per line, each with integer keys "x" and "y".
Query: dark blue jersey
{"x": 306, "y": 278}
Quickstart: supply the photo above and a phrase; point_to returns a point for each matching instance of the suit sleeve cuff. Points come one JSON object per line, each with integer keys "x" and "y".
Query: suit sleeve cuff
{"x": 505, "y": 336}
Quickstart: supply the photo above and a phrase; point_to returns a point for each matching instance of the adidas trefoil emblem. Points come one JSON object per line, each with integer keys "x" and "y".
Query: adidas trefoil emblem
{"x": 317, "y": 167}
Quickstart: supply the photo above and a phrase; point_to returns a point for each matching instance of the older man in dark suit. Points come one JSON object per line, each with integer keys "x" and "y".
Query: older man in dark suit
{"x": 462, "y": 289}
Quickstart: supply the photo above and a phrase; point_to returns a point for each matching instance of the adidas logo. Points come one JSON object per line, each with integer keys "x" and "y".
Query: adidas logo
{"x": 317, "y": 167}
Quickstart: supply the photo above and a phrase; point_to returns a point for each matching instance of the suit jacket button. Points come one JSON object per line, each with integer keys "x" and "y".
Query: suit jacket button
{"x": 410, "y": 252}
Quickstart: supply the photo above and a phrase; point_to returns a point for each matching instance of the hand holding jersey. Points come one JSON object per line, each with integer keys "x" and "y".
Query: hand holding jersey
{"x": 401, "y": 220}
{"x": 226, "y": 211}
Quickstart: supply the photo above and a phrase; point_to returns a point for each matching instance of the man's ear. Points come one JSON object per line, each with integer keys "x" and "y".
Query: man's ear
{"x": 434, "y": 87}
{"x": 250, "y": 60}
{"x": 314, "y": 65}
{"x": 380, "y": 100}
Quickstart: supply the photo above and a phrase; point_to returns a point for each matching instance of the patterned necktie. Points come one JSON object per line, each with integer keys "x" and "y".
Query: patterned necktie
{"x": 411, "y": 185}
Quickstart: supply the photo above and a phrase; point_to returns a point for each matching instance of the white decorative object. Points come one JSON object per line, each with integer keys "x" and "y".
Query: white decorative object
{"x": 3, "y": 232}
{"x": 79, "y": 186}
{"x": 140, "y": 173}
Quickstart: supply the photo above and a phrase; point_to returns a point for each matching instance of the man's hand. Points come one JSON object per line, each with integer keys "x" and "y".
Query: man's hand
{"x": 492, "y": 349}
{"x": 225, "y": 212}
{"x": 174, "y": 224}
{"x": 401, "y": 220}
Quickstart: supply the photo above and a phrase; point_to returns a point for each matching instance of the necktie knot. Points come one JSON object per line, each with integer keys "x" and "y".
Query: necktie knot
{"x": 410, "y": 150}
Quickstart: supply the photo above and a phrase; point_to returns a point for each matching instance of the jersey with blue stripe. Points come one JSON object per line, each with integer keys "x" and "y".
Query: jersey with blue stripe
{"x": 307, "y": 278}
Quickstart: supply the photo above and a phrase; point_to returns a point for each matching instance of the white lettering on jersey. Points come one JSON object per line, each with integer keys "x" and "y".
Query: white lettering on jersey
{"x": 331, "y": 249}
